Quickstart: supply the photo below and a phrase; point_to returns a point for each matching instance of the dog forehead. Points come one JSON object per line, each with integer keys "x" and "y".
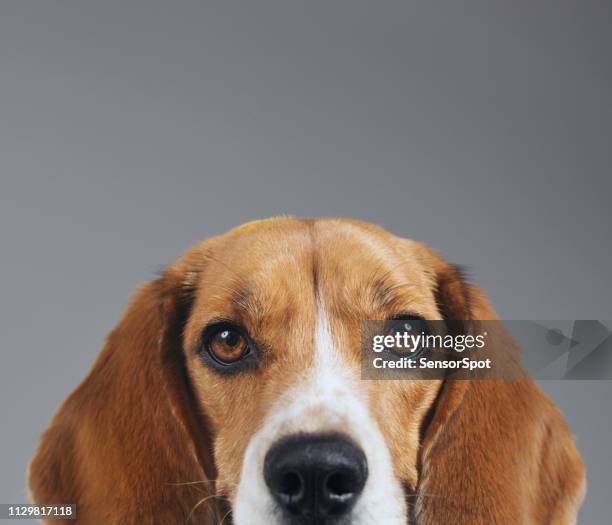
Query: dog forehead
{"x": 283, "y": 261}
{"x": 292, "y": 253}
{"x": 262, "y": 258}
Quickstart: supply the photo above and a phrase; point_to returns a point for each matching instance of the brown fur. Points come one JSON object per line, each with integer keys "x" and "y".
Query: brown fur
{"x": 153, "y": 436}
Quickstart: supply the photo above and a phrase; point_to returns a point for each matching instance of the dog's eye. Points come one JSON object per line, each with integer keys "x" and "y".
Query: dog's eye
{"x": 410, "y": 324}
{"x": 227, "y": 344}
{"x": 407, "y": 323}
{"x": 410, "y": 321}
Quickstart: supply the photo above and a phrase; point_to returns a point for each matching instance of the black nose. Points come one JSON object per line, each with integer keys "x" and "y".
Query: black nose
{"x": 315, "y": 476}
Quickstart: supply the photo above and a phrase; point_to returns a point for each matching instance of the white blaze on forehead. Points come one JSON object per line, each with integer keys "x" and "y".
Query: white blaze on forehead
{"x": 329, "y": 399}
{"x": 325, "y": 355}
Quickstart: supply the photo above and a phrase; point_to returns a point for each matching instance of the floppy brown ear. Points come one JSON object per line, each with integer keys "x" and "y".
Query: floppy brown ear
{"x": 494, "y": 451}
{"x": 127, "y": 444}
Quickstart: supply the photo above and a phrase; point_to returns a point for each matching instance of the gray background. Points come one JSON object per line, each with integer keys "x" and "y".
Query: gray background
{"x": 130, "y": 130}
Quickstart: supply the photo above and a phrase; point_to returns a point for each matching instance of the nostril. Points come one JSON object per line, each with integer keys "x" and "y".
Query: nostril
{"x": 340, "y": 486}
{"x": 290, "y": 486}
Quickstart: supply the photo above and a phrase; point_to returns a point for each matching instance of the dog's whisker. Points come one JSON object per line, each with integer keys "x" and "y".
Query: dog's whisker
{"x": 204, "y": 500}
{"x": 224, "y": 481}
{"x": 228, "y": 513}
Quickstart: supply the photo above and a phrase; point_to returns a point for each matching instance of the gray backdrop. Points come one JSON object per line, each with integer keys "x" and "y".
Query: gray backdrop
{"x": 130, "y": 130}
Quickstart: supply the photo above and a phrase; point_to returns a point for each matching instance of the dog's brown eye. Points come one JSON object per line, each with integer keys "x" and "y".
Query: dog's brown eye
{"x": 228, "y": 345}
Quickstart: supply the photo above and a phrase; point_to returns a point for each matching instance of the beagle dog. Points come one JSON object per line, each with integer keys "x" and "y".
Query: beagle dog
{"x": 230, "y": 392}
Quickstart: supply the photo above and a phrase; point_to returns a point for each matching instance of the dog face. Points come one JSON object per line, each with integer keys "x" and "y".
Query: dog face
{"x": 293, "y": 295}
{"x": 232, "y": 389}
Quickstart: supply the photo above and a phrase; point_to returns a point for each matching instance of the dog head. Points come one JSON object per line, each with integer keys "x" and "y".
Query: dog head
{"x": 231, "y": 390}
